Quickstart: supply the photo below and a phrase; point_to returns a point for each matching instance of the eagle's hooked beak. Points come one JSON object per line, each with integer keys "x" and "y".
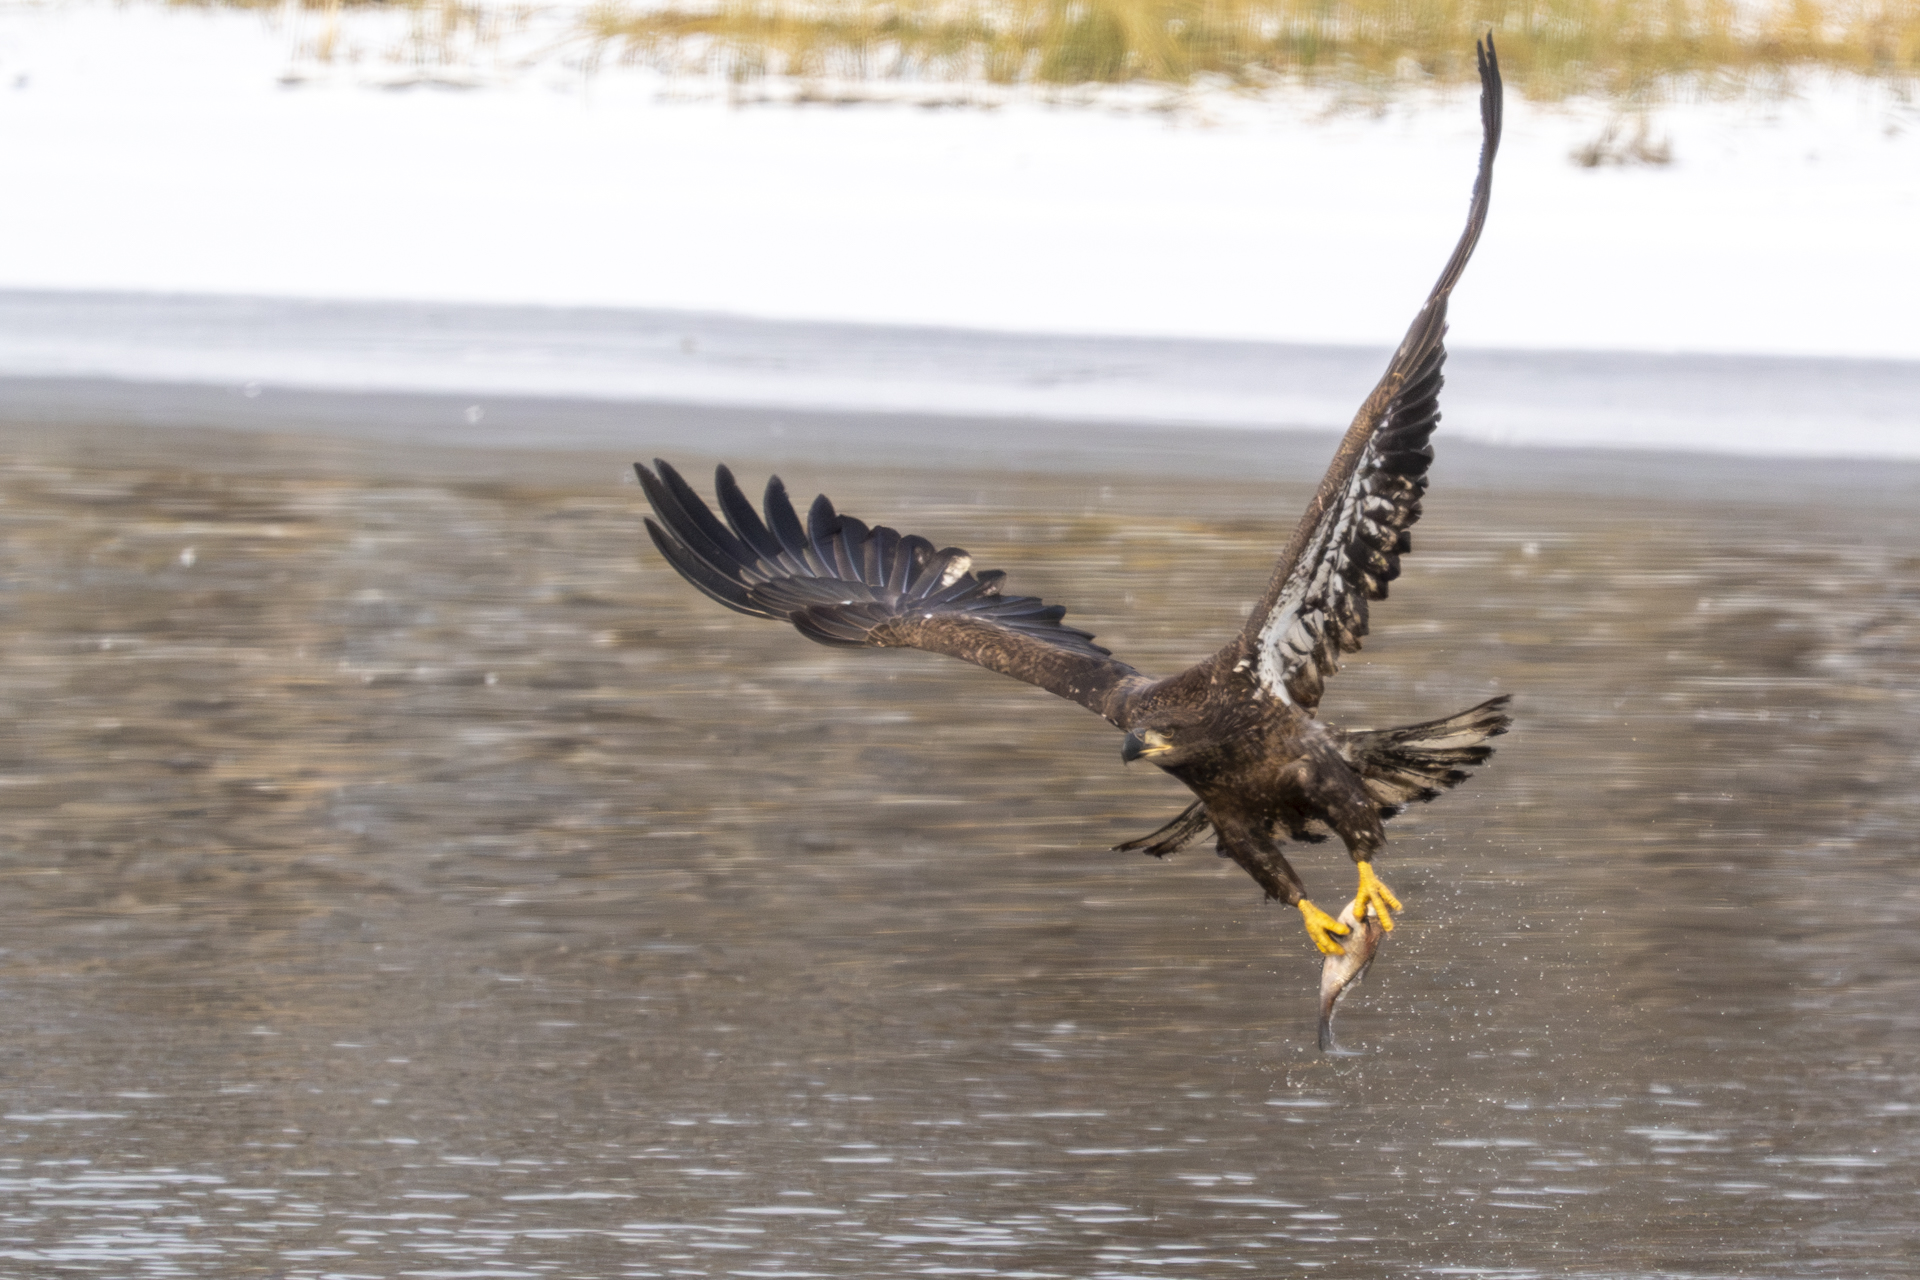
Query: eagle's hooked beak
{"x": 1148, "y": 743}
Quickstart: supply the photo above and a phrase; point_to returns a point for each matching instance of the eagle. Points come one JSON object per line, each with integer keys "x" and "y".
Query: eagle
{"x": 1239, "y": 729}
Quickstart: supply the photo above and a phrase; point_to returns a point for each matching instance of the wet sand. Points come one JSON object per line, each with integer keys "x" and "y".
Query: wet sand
{"x": 405, "y": 873}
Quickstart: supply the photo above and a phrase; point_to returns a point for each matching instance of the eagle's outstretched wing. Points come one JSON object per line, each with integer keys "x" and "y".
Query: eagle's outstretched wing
{"x": 1348, "y": 545}
{"x": 842, "y": 583}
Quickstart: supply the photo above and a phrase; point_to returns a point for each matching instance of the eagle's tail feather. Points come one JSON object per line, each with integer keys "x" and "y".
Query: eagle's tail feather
{"x": 1192, "y": 823}
{"x": 1416, "y": 762}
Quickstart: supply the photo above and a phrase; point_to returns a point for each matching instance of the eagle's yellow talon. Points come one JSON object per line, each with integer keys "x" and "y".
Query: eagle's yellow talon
{"x": 1321, "y": 927}
{"x": 1373, "y": 893}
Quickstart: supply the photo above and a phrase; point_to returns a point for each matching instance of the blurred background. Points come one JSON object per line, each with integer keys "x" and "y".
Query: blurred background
{"x": 405, "y": 873}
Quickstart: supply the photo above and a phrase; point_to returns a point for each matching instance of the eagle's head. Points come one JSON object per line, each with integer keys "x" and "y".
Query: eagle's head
{"x": 1164, "y": 743}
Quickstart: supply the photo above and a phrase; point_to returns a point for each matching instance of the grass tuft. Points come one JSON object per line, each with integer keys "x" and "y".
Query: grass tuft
{"x": 1624, "y": 49}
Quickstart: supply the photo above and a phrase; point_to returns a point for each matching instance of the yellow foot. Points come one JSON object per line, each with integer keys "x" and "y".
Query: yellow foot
{"x": 1372, "y": 893}
{"x": 1321, "y": 927}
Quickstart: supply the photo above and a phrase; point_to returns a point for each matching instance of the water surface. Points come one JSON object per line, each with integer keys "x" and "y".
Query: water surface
{"x": 407, "y": 875}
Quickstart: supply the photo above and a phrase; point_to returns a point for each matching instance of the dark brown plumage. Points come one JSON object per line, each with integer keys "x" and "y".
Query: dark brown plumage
{"x": 1239, "y": 728}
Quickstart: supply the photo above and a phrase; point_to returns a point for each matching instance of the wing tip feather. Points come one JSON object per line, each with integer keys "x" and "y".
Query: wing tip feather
{"x": 835, "y": 579}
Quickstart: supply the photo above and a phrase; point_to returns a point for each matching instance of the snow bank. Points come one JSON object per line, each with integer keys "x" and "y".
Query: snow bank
{"x": 207, "y": 151}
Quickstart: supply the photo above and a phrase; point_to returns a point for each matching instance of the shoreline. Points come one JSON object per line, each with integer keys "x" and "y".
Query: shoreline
{"x": 1610, "y": 400}
{"x": 566, "y": 440}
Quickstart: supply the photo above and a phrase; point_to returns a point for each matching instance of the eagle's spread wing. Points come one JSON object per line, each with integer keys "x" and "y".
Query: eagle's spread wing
{"x": 842, "y": 583}
{"x": 1347, "y": 547}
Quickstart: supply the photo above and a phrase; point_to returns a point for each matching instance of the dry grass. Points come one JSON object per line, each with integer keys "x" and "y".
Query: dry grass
{"x": 437, "y": 33}
{"x": 1550, "y": 48}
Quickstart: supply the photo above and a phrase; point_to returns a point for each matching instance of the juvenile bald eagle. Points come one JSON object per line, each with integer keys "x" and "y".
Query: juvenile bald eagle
{"x": 1238, "y": 729}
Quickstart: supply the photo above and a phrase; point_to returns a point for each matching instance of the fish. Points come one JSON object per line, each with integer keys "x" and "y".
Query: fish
{"x": 1340, "y": 974}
